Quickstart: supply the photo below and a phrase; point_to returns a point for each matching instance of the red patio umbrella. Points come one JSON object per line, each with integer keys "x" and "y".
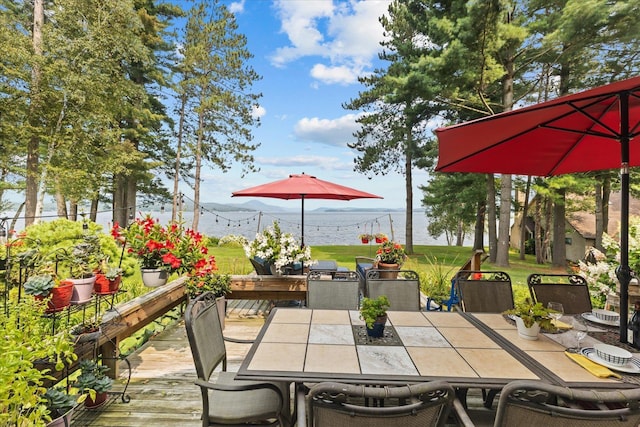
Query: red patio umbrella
{"x": 303, "y": 186}
{"x": 592, "y": 130}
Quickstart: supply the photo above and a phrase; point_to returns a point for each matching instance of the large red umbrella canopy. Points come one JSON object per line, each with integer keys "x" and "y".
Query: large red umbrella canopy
{"x": 592, "y": 130}
{"x": 303, "y": 186}
{"x": 574, "y": 133}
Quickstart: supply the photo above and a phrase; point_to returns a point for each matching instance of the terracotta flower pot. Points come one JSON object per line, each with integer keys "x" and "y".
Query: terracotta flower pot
{"x": 60, "y": 297}
{"x": 104, "y": 286}
{"x": 392, "y": 270}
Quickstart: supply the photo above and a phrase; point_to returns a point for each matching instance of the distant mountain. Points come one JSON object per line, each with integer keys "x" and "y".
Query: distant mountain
{"x": 255, "y": 205}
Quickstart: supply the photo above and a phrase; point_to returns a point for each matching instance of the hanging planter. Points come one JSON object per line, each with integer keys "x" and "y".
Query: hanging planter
{"x": 381, "y": 237}
{"x": 365, "y": 238}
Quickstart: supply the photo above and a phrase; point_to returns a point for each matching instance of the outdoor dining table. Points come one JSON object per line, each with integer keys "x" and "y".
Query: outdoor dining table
{"x": 466, "y": 349}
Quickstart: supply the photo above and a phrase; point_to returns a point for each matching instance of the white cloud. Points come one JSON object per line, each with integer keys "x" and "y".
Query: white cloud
{"x": 330, "y": 75}
{"x": 311, "y": 161}
{"x": 237, "y": 6}
{"x": 346, "y": 33}
{"x": 336, "y": 132}
{"x": 258, "y": 111}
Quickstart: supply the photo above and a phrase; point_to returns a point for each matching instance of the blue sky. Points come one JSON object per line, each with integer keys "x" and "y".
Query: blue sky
{"x": 309, "y": 53}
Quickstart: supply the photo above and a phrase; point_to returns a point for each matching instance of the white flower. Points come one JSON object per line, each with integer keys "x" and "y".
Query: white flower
{"x": 278, "y": 248}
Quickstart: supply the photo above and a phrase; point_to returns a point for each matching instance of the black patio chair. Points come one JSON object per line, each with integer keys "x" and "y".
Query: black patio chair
{"x": 335, "y": 404}
{"x": 571, "y": 290}
{"x": 226, "y": 401}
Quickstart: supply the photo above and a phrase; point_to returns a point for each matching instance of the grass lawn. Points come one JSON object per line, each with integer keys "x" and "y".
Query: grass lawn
{"x": 433, "y": 263}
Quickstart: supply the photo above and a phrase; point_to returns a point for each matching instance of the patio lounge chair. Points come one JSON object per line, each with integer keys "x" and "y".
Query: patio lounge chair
{"x": 569, "y": 289}
{"x": 363, "y": 264}
{"x": 335, "y": 404}
{"x": 227, "y": 401}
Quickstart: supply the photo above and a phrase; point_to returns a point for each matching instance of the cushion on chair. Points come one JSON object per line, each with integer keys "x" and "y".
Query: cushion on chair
{"x": 249, "y": 405}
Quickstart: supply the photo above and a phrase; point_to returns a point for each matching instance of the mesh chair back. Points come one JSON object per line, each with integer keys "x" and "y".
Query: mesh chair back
{"x": 204, "y": 332}
{"x": 536, "y": 403}
{"x": 338, "y": 291}
{"x": 569, "y": 289}
{"x": 403, "y": 292}
{"x": 335, "y": 405}
{"x": 484, "y": 291}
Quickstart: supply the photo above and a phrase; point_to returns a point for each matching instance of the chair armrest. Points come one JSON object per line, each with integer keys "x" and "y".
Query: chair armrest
{"x": 238, "y": 340}
{"x": 460, "y": 414}
{"x": 240, "y": 387}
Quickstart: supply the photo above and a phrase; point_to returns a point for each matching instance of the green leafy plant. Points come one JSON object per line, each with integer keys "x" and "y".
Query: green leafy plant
{"x": 58, "y": 402}
{"x": 365, "y": 236}
{"x": 436, "y": 281}
{"x": 27, "y": 339}
{"x": 531, "y": 313}
{"x": 83, "y": 258}
{"x": 203, "y": 281}
{"x": 93, "y": 378}
{"x": 372, "y": 308}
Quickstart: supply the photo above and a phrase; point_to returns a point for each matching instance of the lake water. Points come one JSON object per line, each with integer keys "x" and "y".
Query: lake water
{"x": 320, "y": 228}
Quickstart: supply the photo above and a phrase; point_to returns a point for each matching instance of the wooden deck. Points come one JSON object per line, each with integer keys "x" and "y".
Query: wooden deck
{"x": 162, "y": 389}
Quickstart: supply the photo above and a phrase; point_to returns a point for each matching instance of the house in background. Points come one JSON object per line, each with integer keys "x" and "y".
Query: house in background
{"x": 580, "y": 227}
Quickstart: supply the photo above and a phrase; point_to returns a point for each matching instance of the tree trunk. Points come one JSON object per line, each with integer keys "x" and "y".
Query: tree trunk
{"x": 119, "y": 200}
{"x": 523, "y": 221}
{"x": 33, "y": 147}
{"x": 478, "y": 240}
{"x": 599, "y": 223}
{"x": 546, "y": 241}
{"x": 196, "y": 184}
{"x": 502, "y": 253}
{"x": 559, "y": 258}
{"x": 408, "y": 194}
{"x": 176, "y": 178}
{"x": 491, "y": 218}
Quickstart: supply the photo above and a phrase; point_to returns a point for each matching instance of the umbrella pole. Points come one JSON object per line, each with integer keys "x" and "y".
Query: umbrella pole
{"x": 624, "y": 273}
{"x": 302, "y": 222}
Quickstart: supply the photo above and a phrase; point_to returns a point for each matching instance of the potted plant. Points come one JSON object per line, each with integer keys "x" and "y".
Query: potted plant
{"x": 280, "y": 250}
{"x": 108, "y": 279}
{"x": 530, "y": 318}
{"x": 374, "y": 313}
{"x": 380, "y": 237}
{"x": 93, "y": 383}
{"x": 162, "y": 250}
{"x": 390, "y": 256}
{"x": 365, "y": 238}
{"x": 86, "y": 332}
{"x": 45, "y": 285}
{"x": 60, "y": 406}
{"x": 81, "y": 260}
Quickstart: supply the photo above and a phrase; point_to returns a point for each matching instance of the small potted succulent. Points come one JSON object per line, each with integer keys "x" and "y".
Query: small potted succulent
{"x": 45, "y": 285}
{"x": 60, "y": 406}
{"x": 374, "y": 313}
{"x": 93, "y": 383}
{"x": 108, "y": 279}
{"x": 81, "y": 260}
{"x": 530, "y": 318}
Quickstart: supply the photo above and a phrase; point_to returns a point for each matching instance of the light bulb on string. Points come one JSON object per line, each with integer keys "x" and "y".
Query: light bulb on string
{"x": 216, "y": 218}
{"x": 161, "y": 209}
